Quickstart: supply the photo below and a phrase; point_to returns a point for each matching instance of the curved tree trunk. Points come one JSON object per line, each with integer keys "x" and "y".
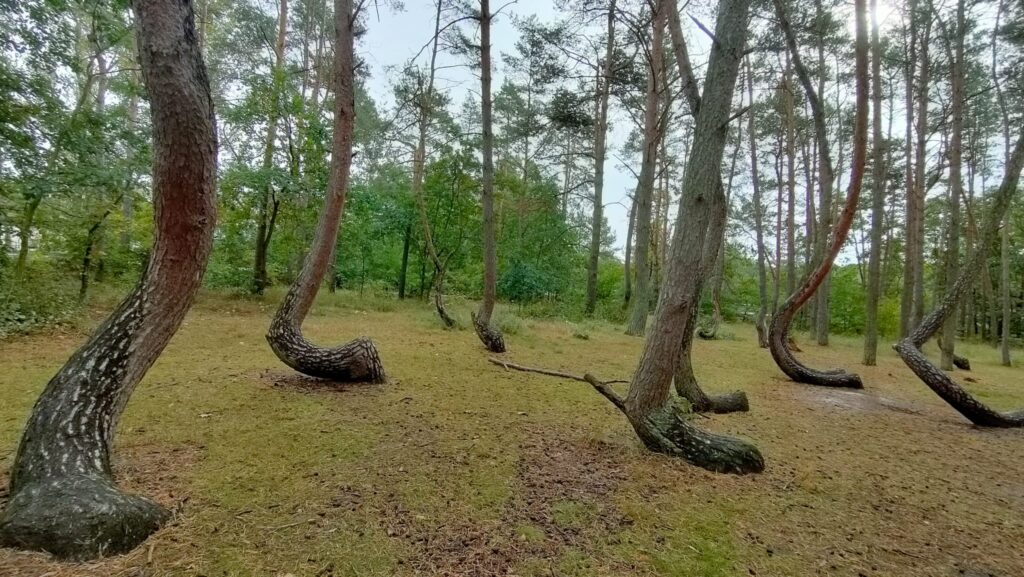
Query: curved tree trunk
{"x": 909, "y": 348}
{"x": 419, "y": 162}
{"x": 779, "y": 329}
{"x": 357, "y": 360}
{"x": 641, "y": 303}
{"x": 685, "y": 380}
{"x": 658, "y": 419}
{"x": 63, "y": 497}
{"x": 489, "y": 334}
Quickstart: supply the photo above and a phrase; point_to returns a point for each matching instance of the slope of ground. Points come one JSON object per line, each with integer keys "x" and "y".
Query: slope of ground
{"x": 459, "y": 467}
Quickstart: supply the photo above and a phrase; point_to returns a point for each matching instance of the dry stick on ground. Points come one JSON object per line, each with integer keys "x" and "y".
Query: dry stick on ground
{"x": 779, "y": 329}
{"x": 63, "y": 498}
{"x": 357, "y": 360}
{"x": 548, "y": 372}
{"x": 686, "y": 384}
{"x": 909, "y": 348}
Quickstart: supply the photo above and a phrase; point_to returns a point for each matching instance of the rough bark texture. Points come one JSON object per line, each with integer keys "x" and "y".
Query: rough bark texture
{"x": 640, "y": 305}
{"x": 686, "y": 384}
{"x": 779, "y": 330}
{"x": 357, "y": 360}
{"x": 907, "y": 294}
{"x": 600, "y": 151}
{"x": 878, "y": 173}
{"x": 655, "y": 415}
{"x": 62, "y": 496}
{"x": 489, "y": 335}
{"x": 909, "y": 348}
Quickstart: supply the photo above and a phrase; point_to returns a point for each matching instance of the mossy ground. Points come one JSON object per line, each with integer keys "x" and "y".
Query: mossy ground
{"x": 458, "y": 467}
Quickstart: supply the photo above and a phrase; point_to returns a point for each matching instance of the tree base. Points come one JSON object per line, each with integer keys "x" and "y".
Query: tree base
{"x": 670, "y": 431}
{"x": 78, "y": 518}
{"x": 938, "y": 381}
{"x": 734, "y": 402}
{"x": 794, "y": 369}
{"x": 354, "y": 362}
{"x": 962, "y": 363}
{"x": 490, "y": 336}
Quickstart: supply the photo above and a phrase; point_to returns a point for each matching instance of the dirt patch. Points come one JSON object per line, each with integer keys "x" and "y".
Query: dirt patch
{"x": 561, "y": 500}
{"x": 857, "y": 401}
{"x": 290, "y": 380}
{"x": 156, "y": 471}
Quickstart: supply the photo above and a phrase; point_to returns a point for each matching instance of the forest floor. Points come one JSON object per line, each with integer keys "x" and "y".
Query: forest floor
{"x": 459, "y": 467}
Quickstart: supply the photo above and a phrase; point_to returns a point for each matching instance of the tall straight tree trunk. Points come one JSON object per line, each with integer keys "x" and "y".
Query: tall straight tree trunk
{"x": 600, "y": 150}
{"x": 641, "y": 302}
{"x": 920, "y": 162}
{"x": 910, "y": 236}
{"x": 909, "y": 348}
{"x": 762, "y": 275}
{"x": 403, "y": 271}
{"x": 485, "y": 329}
{"x": 947, "y": 341}
{"x": 1004, "y": 290}
{"x": 790, "y": 180}
{"x": 878, "y": 180}
{"x": 627, "y": 267}
{"x": 357, "y": 360}
{"x": 826, "y": 174}
{"x": 656, "y": 417}
{"x": 779, "y": 329}
{"x": 62, "y": 495}
{"x": 1004, "y": 245}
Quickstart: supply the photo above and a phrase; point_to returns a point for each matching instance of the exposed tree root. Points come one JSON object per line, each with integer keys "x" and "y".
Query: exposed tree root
{"x": 668, "y": 430}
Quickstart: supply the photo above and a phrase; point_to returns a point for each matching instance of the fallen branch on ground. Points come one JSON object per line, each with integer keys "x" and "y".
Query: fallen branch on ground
{"x": 548, "y": 372}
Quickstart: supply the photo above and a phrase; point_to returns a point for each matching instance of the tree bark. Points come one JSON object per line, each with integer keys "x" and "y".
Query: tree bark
{"x": 947, "y": 340}
{"x": 62, "y": 495}
{"x": 658, "y": 419}
{"x": 489, "y": 334}
{"x": 685, "y": 380}
{"x": 779, "y": 330}
{"x": 600, "y": 151}
{"x": 357, "y": 360}
{"x": 909, "y": 348}
{"x": 910, "y": 235}
{"x": 760, "y": 322}
{"x": 641, "y": 302}
{"x": 878, "y": 181}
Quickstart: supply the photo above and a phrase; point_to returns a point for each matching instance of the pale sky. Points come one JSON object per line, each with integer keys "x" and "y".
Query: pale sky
{"x": 395, "y": 37}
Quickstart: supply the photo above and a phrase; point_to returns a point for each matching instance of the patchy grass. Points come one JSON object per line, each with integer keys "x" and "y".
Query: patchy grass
{"x": 458, "y": 467}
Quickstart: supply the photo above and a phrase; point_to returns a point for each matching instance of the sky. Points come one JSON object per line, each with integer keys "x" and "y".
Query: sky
{"x": 394, "y": 37}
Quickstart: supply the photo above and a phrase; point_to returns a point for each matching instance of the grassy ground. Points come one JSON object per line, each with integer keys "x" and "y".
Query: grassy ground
{"x": 458, "y": 467}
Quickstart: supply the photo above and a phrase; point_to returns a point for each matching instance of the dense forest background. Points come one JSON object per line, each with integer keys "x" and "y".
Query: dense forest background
{"x": 75, "y": 203}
